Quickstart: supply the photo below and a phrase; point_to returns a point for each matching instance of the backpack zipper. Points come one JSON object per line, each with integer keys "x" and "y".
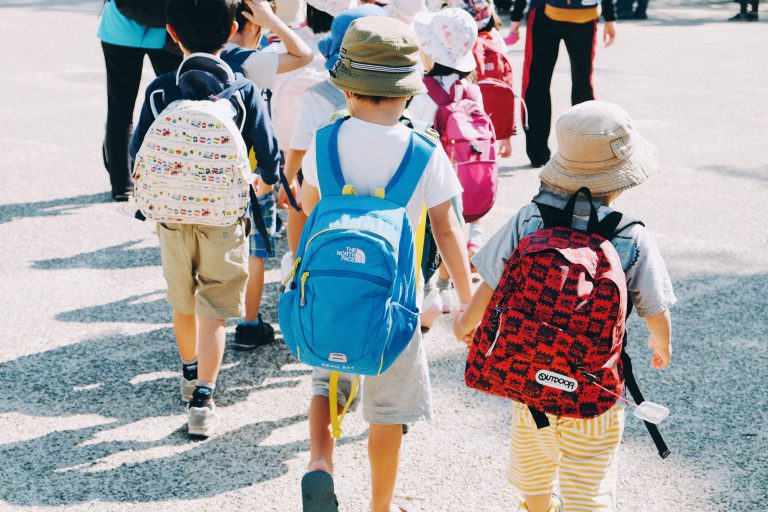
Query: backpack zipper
{"x": 339, "y": 273}
{"x": 293, "y": 271}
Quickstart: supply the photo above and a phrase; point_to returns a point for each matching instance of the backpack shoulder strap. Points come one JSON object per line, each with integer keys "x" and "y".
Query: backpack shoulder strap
{"x": 418, "y": 154}
{"x": 436, "y": 91}
{"x": 329, "y": 175}
{"x": 330, "y": 93}
{"x": 236, "y": 56}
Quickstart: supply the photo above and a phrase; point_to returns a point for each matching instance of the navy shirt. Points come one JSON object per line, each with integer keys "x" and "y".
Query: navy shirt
{"x": 200, "y": 76}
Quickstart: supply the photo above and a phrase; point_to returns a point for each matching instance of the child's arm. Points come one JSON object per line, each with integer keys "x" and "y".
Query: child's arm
{"x": 299, "y": 54}
{"x": 465, "y": 323}
{"x": 660, "y": 340}
{"x": 293, "y": 158}
{"x": 452, "y": 247}
{"x": 260, "y": 134}
{"x": 309, "y": 197}
{"x": 145, "y": 120}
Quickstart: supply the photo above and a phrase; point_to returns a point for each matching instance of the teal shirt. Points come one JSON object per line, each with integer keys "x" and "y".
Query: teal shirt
{"x": 118, "y": 30}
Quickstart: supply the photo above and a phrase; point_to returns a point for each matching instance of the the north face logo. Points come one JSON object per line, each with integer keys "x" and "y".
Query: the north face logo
{"x": 352, "y": 255}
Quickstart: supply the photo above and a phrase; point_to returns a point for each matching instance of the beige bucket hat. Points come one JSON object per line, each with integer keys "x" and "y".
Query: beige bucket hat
{"x": 598, "y": 148}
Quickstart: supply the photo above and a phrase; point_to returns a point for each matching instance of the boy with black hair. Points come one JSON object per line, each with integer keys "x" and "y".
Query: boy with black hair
{"x": 377, "y": 70}
{"x": 205, "y": 266}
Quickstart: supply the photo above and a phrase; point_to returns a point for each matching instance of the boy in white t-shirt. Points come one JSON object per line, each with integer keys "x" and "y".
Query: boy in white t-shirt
{"x": 378, "y": 73}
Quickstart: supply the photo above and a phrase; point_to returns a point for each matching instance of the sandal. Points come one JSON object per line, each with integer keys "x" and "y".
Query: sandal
{"x": 317, "y": 492}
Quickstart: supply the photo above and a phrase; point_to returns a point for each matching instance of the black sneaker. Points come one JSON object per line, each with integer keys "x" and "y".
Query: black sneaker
{"x": 742, "y": 16}
{"x": 753, "y": 16}
{"x": 640, "y": 15}
{"x": 248, "y": 337}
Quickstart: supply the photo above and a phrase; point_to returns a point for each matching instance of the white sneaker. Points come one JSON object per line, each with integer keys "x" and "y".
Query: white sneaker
{"x": 431, "y": 310}
{"x": 447, "y": 300}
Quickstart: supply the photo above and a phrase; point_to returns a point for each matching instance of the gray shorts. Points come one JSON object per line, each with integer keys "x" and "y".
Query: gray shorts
{"x": 402, "y": 394}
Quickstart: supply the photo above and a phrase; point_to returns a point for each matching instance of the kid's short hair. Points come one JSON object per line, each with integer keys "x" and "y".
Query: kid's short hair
{"x": 202, "y": 25}
{"x": 319, "y": 21}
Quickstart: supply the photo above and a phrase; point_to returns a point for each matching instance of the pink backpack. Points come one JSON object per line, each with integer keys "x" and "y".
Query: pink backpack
{"x": 469, "y": 139}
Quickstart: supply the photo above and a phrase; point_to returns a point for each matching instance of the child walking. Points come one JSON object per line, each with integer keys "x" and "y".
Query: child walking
{"x": 262, "y": 68}
{"x": 597, "y": 149}
{"x": 204, "y": 265}
{"x": 377, "y": 70}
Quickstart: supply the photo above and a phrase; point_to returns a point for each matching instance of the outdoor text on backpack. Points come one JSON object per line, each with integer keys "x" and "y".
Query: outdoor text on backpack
{"x": 554, "y": 327}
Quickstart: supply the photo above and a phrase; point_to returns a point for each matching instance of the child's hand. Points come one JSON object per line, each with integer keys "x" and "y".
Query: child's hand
{"x": 661, "y": 354}
{"x": 282, "y": 197}
{"x": 261, "y": 13}
{"x": 262, "y": 188}
{"x": 609, "y": 33}
{"x": 462, "y": 334}
{"x": 505, "y": 148}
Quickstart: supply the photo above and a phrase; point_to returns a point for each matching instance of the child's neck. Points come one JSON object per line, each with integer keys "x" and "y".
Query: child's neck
{"x": 387, "y": 114}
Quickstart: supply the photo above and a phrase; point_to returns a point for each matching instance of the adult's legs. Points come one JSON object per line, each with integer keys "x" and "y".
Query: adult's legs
{"x": 164, "y": 61}
{"x": 541, "y": 49}
{"x": 580, "y": 40}
{"x": 124, "y": 66}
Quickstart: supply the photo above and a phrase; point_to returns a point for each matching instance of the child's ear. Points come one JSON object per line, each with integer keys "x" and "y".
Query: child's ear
{"x": 233, "y": 30}
{"x": 172, "y": 33}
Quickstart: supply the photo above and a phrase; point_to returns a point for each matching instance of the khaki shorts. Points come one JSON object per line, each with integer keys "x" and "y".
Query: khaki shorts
{"x": 206, "y": 267}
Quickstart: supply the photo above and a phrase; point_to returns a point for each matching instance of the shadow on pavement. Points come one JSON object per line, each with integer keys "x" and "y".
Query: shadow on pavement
{"x": 735, "y": 171}
{"x": 128, "y": 378}
{"x": 13, "y": 211}
{"x": 119, "y": 256}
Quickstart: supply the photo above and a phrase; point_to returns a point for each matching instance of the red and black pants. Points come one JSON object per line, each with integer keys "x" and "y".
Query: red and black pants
{"x": 541, "y": 48}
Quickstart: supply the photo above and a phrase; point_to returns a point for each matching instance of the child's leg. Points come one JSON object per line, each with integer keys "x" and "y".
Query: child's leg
{"x": 296, "y": 221}
{"x": 534, "y": 458}
{"x": 320, "y": 440}
{"x": 211, "y": 350}
{"x": 589, "y": 461}
{"x": 384, "y": 454}
{"x": 185, "y": 330}
{"x": 254, "y": 289}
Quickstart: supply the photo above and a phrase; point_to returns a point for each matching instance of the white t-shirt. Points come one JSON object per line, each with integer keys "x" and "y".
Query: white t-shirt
{"x": 260, "y": 67}
{"x": 314, "y": 111}
{"x": 371, "y": 153}
{"x": 423, "y": 108}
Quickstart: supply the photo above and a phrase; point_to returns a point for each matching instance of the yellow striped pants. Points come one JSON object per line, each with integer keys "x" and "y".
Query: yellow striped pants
{"x": 582, "y": 452}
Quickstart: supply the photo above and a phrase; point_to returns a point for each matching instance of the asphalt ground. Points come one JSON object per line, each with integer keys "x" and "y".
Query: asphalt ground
{"x": 89, "y": 414}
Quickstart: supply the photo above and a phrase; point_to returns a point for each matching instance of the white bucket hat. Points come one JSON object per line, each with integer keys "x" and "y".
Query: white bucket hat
{"x": 447, "y": 37}
{"x": 288, "y": 10}
{"x": 598, "y": 148}
{"x": 405, "y": 10}
{"x": 332, "y": 7}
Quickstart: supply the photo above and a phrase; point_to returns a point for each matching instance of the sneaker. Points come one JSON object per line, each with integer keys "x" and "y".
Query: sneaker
{"x": 187, "y": 388}
{"x": 431, "y": 310}
{"x": 201, "y": 414}
{"x": 753, "y": 16}
{"x": 640, "y": 15}
{"x": 248, "y": 337}
{"x": 742, "y": 16}
{"x": 446, "y": 297}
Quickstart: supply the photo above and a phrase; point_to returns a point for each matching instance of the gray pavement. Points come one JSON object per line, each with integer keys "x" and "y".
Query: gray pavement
{"x": 88, "y": 371}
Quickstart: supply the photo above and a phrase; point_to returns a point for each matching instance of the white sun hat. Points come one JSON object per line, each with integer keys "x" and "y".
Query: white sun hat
{"x": 447, "y": 37}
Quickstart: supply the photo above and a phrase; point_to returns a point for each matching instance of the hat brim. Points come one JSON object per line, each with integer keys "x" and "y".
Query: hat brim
{"x": 641, "y": 165}
{"x": 389, "y": 85}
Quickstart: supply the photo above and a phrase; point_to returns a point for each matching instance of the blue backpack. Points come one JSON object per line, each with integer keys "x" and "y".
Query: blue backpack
{"x": 350, "y": 304}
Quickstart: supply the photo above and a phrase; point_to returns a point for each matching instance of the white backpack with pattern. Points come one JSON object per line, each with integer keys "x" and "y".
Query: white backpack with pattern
{"x": 192, "y": 167}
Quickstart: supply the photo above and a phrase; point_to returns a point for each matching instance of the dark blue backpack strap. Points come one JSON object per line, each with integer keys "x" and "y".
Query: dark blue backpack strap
{"x": 232, "y": 89}
{"x": 236, "y": 57}
{"x": 329, "y": 175}
{"x": 402, "y": 185}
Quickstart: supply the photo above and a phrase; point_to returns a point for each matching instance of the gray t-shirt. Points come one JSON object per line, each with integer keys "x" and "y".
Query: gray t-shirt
{"x": 648, "y": 282}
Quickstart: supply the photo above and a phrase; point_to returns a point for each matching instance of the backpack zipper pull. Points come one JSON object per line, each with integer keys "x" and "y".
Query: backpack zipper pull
{"x": 303, "y": 300}
{"x": 495, "y": 317}
{"x": 293, "y": 272}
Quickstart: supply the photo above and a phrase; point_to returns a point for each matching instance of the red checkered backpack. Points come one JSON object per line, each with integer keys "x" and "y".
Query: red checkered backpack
{"x": 554, "y": 327}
